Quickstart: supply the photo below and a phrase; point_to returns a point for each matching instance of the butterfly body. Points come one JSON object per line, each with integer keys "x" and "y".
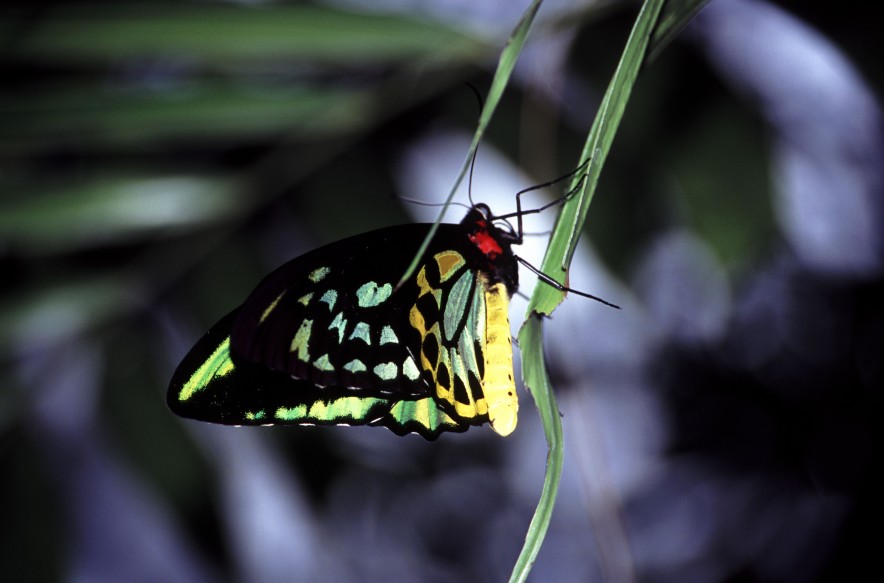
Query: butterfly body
{"x": 329, "y": 338}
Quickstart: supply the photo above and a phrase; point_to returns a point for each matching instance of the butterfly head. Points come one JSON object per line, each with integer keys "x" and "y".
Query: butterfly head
{"x": 494, "y": 243}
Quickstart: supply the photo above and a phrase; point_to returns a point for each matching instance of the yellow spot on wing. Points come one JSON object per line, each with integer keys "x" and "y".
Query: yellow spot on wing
{"x": 271, "y": 307}
{"x": 301, "y": 339}
{"x": 449, "y": 262}
{"x": 318, "y": 274}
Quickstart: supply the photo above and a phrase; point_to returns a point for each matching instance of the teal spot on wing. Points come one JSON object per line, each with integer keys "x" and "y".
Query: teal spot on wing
{"x": 388, "y": 336}
{"x": 355, "y": 365}
{"x": 386, "y": 371}
{"x": 409, "y": 369}
{"x": 371, "y": 294}
{"x": 324, "y": 364}
{"x": 361, "y": 332}
{"x": 340, "y": 324}
{"x": 329, "y": 297}
{"x": 463, "y": 359}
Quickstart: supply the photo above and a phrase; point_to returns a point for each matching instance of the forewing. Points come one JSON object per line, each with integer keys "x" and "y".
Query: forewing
{"x": 334, "y": 317}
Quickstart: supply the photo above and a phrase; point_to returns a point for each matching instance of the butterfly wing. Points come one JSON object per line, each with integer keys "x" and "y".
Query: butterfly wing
{"x": 331, "y": 328}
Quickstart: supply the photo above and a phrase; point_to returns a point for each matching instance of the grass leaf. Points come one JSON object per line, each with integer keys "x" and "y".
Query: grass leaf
{"x": 562, "y": 245}
{"x": 505, "y": 65}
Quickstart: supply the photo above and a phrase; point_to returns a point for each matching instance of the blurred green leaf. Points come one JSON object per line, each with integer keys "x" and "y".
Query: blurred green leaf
{"x": 224, "y": 33}
{"x": 79, "y": 114}
{"x": 64, "y": 217}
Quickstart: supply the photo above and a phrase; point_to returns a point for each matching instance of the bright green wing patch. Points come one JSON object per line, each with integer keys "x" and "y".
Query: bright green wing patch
{"x": 217, "y": 365}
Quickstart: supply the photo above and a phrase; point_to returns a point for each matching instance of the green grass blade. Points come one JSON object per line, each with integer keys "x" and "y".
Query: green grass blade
{"x": 505, "y": 65}
{"x": 535, "y": 376}
{"x": 563, "y": 241}
{"x": 674, "y": 18}
{"x": 562, "y": 245}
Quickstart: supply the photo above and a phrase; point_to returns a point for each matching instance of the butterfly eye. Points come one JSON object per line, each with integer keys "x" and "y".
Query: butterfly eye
{"x": 485, "y": 210}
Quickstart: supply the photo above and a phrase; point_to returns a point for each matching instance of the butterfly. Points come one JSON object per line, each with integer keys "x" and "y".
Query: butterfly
{"x": 329, "y": 338}
{"x": 334, "y": 338}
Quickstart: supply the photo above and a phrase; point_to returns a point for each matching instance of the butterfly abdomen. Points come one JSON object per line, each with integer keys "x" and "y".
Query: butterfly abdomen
{"x": 498, "y": 383}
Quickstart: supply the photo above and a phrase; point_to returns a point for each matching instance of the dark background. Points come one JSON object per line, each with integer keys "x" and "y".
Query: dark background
{"x": 156, "y": 160}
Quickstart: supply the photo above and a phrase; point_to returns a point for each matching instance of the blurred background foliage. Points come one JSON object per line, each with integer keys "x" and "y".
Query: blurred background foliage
{"x": 156, "y": 159}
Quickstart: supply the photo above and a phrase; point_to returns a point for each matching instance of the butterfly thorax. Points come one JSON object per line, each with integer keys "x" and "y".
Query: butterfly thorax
{"x": 494, "y": 246}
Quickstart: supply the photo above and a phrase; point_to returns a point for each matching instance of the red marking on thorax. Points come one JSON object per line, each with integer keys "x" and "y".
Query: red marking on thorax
{"x": 485, "y": 242}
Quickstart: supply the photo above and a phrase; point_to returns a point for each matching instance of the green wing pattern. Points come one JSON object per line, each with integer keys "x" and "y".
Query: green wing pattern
{"x": 209, "y": 386}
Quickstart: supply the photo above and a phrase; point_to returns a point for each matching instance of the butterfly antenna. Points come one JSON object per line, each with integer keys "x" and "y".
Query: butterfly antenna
{"x": 470, "y": 179}
{"x": 473, "y": 161}
{"x": 426, "y": 203}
